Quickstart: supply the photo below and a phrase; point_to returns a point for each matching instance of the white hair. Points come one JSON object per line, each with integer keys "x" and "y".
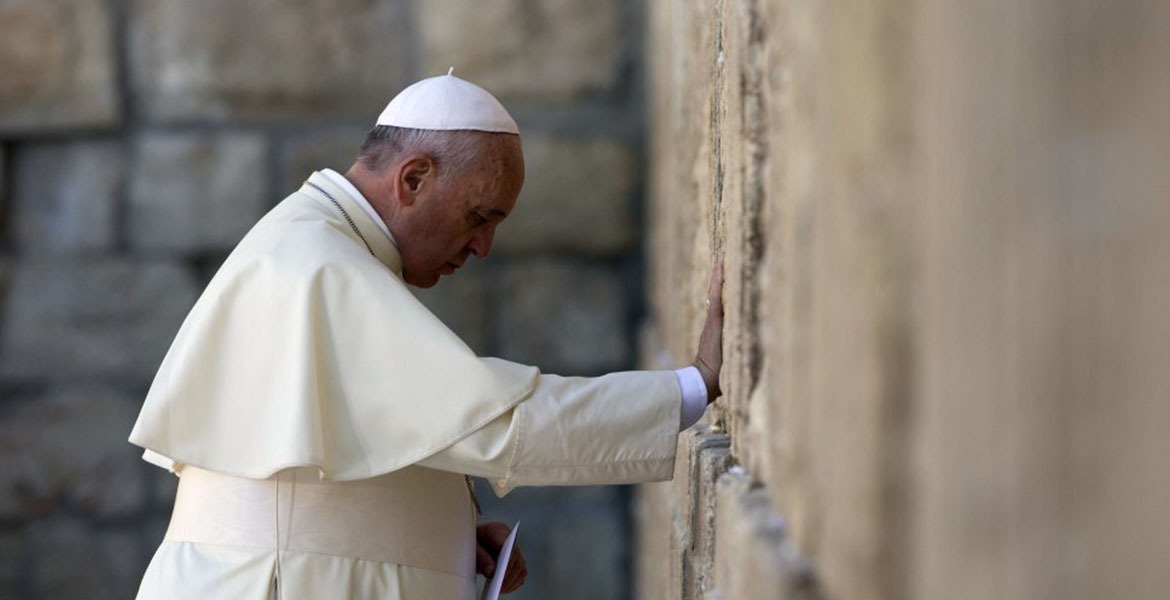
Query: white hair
{"x": 452, "y": 151}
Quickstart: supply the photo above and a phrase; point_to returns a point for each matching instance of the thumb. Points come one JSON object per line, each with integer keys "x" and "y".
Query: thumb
{"x": 484, "y": 563}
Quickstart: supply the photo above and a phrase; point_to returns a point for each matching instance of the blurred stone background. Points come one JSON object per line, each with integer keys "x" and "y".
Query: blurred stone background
{"x": 139, "y": 140}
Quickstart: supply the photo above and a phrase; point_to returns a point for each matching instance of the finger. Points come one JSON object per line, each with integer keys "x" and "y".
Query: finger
{"x": 511, "y": 582}
{"x": 715, "y": 293}
{"x": 492, "y": 534}
{"x": 514, "y": 578}
{"x": 484, "y": 564}
{"x": 517, "y": 569}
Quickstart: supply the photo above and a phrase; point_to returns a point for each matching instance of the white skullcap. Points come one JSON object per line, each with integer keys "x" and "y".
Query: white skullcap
{"x": 447, "y": 102}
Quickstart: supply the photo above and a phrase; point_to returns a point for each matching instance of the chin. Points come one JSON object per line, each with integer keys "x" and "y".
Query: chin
{"x": 421, "y": 282}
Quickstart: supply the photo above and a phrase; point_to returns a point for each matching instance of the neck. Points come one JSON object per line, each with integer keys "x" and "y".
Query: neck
{"x": 374, "y": 191}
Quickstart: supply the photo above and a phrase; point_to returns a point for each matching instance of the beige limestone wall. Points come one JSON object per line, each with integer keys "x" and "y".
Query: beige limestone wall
{"x": 944, "y": 226}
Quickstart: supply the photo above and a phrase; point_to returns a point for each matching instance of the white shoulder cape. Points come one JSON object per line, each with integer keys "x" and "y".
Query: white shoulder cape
{"x": 307, "y": 349}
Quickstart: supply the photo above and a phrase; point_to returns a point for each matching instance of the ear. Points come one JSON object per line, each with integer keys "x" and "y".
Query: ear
{"x": 413, "y": 175}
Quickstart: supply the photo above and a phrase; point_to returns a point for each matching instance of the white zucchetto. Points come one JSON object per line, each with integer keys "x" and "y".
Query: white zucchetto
{"x": 447, "y": 102}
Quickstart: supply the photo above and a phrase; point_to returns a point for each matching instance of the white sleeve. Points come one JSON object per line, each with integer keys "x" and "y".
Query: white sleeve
{"x": 694, "y": 396}
{"x": 617, "y": 428}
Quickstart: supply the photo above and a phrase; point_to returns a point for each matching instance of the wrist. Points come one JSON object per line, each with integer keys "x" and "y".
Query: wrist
{"x": 710, "y": 377}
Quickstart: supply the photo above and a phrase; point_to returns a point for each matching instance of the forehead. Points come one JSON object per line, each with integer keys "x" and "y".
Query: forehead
{"x": 498, "y": 169}
{"x": 502, "y": 153}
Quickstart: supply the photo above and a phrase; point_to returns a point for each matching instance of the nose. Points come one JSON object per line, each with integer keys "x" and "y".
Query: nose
{"x": 481, "y": 243}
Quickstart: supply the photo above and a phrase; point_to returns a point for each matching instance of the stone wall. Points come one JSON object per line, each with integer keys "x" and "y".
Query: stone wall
{"x": 945, "y": 230}
{"x": 140, "y": 139}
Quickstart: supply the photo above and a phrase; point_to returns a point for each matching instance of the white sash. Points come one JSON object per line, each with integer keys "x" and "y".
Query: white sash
{"x": 414, "y": 516}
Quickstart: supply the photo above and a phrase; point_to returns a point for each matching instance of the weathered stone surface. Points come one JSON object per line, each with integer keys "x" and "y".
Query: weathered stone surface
{"x": 654, "y": 550}
{"x": 739, "y": 106}
{"x": 814, "y": 375}
{"x": 71, "y": 559}
{"x": 755, "y": 558}
{"x": 67, "y": 320}
{"x": 194, "y": 192}
{"x": 1043, "y": 338}
{"x": 302, "y": 153}
{"x": 61, "y": 449}
{"x": 57, "y": 65}
{"x": 66, "y": 194}
{"x": 946, "y": 349}
{"x": 702, "y": 456}
{"x": 461, "y": 301}
{"x": 266, "y": 59}
{"x": 577, "y": 196}
{"x": 564, "y": 317}
{"x": 549, "y": 50}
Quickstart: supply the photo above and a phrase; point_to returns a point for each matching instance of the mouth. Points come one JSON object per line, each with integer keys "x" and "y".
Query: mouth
{"x": 450, "y": 267}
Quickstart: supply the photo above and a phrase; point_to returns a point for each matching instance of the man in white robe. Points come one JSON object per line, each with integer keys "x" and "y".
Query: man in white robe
{"x": 323, "y": 422}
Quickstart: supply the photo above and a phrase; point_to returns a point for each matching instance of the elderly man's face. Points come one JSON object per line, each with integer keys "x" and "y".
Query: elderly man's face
{"x": 456, "y": 216}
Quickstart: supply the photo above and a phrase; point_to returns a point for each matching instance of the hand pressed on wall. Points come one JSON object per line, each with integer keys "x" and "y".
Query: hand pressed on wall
{"x": 709, "y": 358}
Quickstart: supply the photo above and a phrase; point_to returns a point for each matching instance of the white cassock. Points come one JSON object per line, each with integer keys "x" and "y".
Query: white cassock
{"x": 322, "y": 420}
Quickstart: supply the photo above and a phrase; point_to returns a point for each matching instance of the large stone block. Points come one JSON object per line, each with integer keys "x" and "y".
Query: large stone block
{"x": 653, "y": 508}
{"x": 742, "y": 161}
{"x": 196, "y": 193}
{"x": 548, "y": 50}
{"x": 681, "y": 227}
{"x": 68, "y": 448}
{"x": 66, "y": 195}
{"x": 702, "y": 457}
{"x": 70, "y": 320}
{"x": 266, "y": 59}
{"x": 755, "y": 557}
{"x": 564, "y": 317}
{"x": 577, "y": 196}
{"x": 1043, "y": 338}
{"x": 57, "y": 65}
{"x": 461, "y": 302}
{"x": 302, "y": 153}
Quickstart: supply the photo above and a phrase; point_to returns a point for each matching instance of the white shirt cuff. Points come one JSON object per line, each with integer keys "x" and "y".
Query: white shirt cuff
{"x": 694, "y": 396}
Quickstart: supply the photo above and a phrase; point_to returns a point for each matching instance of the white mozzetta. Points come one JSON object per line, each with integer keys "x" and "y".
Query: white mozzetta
{"x": 307, "y": 349}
